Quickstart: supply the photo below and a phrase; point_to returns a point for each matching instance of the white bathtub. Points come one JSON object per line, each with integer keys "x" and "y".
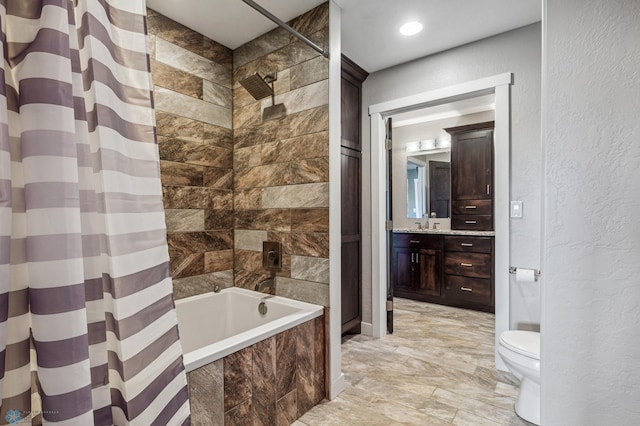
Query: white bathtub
{"x": 214, "y": 325}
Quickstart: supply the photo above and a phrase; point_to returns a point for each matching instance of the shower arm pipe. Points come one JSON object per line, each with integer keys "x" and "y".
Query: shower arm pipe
{"x": 287, "y": 27}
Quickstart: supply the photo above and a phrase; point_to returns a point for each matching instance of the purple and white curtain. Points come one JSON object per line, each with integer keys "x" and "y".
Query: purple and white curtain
{"x": 88, "y": 330}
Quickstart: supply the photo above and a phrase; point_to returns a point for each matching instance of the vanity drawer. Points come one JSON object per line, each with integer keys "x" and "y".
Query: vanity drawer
{"x": 426, "y": 241}
{"x": 464, "y": 243}
{"x": 472, "y": 223}
{"x": 466, "y": 207}
{"x": 465, "y": 289}
{"x": 476, "y": 265}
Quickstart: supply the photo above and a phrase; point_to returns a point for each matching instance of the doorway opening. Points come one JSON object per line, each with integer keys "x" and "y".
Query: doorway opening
{"x": 499, "y": 87}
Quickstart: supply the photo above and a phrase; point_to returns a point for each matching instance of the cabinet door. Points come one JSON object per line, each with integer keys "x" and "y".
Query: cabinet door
{"x": 428, "y": 275}
{"x": 351, "y": 101}
{"x": 351, "y": 293}
{"x": 403, "y": 268}
{"x": 472, "y": 165}
{"x": 351, "y": 265}
{"x": 350, "y": 104}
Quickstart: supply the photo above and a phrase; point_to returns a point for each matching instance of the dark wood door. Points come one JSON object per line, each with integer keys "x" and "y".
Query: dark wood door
{"x": 351, "y": 293}
{"x": 472, "y": 176}
{"x": 350, "y": 104}
{"x": 403, "y": 268}
{"x": 351, "y": 194}
{"x": 440, "y": 188}
{"x": 428, "y": 276}
{"x": 351, "y": 273}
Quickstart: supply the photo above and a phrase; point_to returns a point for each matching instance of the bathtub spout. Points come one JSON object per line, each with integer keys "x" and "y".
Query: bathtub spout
{"x": 269, "y": 284}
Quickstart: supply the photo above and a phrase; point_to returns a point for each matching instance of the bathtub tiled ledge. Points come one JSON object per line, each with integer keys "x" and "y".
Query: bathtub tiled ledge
{"x": 445, "y": 232}
{"x": 272, "y": 382}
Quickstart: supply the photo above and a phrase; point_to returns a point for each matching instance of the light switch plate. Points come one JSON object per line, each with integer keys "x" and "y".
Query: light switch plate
{"x": 516, "y": 209}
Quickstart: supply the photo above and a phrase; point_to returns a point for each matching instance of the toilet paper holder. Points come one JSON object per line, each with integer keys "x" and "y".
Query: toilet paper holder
{"x": 536, "y": 272}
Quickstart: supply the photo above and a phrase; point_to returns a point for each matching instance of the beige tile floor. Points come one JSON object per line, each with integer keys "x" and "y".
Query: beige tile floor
{"x": 436, "y": 369}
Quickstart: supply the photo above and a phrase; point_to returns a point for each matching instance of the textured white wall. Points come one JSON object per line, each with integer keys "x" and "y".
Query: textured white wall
{"x": 591, "y": 239}
{"x": 519, "y": 52}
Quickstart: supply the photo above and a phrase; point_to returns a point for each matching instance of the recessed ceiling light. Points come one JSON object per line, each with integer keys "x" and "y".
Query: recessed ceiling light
{"x": 411, "y": 28}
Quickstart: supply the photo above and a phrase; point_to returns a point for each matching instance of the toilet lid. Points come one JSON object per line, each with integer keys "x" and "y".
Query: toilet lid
{"x": 526, "y": 343}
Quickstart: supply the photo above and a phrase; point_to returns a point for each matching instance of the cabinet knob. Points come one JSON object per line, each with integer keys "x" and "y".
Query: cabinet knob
{"x": 466, "y": 244}
{"x": 466, "y": 289}
{"x": 467, "y": 265}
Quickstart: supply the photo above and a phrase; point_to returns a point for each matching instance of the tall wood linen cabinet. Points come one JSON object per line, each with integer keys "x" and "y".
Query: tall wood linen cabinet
{"x": 351, "y": 190}
{"x": 472, "y": 176}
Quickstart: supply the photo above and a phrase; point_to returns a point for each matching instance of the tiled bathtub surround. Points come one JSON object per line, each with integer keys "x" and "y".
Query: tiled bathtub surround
{"x": 281, "y": 190}
{"x": 192, "y": 78}
{"x": 231, "y": 181}
{"x": 272, "y": 382}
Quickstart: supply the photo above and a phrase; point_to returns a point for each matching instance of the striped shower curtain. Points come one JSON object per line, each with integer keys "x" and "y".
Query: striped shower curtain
{"x": 88, "y": 331}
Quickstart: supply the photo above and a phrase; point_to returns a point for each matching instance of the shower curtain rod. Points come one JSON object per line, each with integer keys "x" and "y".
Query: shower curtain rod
{"x": 287, "y": 27}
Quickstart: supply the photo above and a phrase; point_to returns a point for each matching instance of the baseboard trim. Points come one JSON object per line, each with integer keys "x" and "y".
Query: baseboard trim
{"x": 367, "y": 328}
{"x": 337, "y": 386}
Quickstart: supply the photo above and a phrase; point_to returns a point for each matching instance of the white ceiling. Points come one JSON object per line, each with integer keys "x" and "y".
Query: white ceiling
{"x": 371, "y": 39}
{"x": 442, "y": 111}
{"x": 369, "y": 27}
{"x": 230, "y": 22}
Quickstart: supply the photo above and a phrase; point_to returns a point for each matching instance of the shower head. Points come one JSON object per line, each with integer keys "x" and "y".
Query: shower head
{"x": 258, "y": 86}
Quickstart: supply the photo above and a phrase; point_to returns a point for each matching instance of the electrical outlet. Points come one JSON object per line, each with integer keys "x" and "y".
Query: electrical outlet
{"x": 516, "y": 209}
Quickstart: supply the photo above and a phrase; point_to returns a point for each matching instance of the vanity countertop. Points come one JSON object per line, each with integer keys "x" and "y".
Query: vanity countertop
{"x": 445, "y": 232}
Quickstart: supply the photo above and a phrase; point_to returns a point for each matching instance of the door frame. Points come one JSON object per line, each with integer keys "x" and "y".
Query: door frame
{"x": 500, "y": 85}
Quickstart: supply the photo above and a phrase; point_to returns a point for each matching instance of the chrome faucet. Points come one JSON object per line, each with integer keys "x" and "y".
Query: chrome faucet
{"x": 269, "y": 283}
{"x": 435, "y": 225}
{"x": 419, "y": 224}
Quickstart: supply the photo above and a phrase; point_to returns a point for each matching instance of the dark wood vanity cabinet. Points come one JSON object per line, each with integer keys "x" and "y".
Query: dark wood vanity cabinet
{"x": 417, "y": 260}
{"x": 468, "y": 272}
{"x": 472, "y": 176}
{"x": 454, "y": 270}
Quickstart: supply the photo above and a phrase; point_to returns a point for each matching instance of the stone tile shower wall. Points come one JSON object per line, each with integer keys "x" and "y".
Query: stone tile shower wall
{"x": 231, "y": 181}
{"x": 281, "y": 189}
{"x": 192, "y": 78}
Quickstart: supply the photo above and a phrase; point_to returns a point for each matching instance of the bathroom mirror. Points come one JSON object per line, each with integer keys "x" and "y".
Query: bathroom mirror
{"x": 421, "y": 157}
{"x": 429, "y": 184}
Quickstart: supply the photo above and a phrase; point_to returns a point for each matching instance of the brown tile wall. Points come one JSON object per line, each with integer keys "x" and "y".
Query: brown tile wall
{"x": 193, "y": 96}
{"x": 281, "y": 190}
{"x": 231, "y": 181}
{"x": 265, "y": 180}
{"x": 273, "y": 382}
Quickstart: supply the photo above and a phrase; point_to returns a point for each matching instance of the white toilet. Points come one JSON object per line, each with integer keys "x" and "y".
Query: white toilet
{"x": 520, "y": 351}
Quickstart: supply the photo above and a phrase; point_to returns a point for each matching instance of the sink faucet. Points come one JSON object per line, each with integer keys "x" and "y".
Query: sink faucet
{"x": 435, "y": 225}
{"x": 419, "y": 224}
{"x": 269, "y": 283}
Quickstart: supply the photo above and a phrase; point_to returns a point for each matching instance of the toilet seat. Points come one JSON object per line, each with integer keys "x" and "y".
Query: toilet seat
{"x": 526, "y": 343}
